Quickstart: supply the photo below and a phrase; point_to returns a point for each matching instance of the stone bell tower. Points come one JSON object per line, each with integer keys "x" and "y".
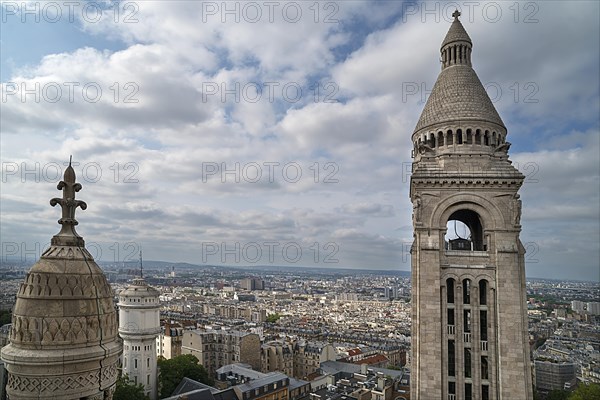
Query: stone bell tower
{"x": 469, "y": 319}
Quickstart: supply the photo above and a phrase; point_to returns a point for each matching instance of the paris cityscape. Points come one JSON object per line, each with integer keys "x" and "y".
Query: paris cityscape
{"x": 365, "y": 315}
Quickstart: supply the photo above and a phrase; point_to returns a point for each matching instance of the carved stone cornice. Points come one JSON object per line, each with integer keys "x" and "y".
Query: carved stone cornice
{"x": 453, "y": 182}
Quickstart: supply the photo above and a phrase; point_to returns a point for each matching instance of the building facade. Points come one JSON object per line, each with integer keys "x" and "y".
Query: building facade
{"x": 277, "y": 355}
{"x": 553, "y": 375}
{"x": 139, "y": 327}
{"x": 169, "y": 340}
{"x": 308, "y": 357}
{"x": 215, "y": 349}
{"x": 469, "y": 318}
{"x": 63, "y": 339}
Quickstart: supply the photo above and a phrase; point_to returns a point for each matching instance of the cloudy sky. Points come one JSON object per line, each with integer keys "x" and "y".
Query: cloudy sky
{"x": 279, "y": 132}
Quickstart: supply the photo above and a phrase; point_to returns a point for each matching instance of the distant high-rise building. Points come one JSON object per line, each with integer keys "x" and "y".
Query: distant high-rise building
{"x": 63, "y": 340}
{"x": 577, "y": 306}
{"x": 252, "y": 284}
{"x": 593, "y": 308}
{"x": 391, "y": 292}
{"x": 469, "y": 318}
{"x": 139, "y": 327}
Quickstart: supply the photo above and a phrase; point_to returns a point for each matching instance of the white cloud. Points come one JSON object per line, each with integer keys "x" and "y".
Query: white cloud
{"x": 381, "y": 68}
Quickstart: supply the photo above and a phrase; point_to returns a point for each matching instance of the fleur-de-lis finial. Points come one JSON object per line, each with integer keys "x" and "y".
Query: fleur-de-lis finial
{"x": 67, "y": 235}
{"x": 455, "y": 14}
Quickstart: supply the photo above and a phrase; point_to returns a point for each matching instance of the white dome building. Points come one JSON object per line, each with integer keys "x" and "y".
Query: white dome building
{"x": 139, "y": 326}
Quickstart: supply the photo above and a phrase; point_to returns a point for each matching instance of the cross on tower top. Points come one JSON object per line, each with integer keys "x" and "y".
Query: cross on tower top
{"x": 456, "y": 14}
{"x": 67, "y": 235}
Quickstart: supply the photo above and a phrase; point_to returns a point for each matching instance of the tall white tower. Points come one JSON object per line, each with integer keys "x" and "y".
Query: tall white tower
{"x": 139, "y": 326}
{"x": 469, "y": 324}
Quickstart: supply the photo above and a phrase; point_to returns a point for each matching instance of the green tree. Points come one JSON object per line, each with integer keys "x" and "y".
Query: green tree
{"x": 127, "y": 390}
{"x": 586, "y": 392}
{"x": 174, "y": 370}
{"x": 558, "y": 395}
{"x": 272, "y": 318}
{"x": 5, "y": 317}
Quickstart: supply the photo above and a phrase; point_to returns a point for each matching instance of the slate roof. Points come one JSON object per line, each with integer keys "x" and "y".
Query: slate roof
{"x": 456, "y": 33}
{"x": 458, "y": 95}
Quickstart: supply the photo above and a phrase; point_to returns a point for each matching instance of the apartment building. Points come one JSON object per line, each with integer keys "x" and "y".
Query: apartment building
{"x": 215, "y": 349}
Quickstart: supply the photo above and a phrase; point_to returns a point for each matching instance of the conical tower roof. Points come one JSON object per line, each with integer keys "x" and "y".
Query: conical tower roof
{"x": 458, "y": 95}
{"x": 63, "y": 341}
{"x": 456, "y": 33}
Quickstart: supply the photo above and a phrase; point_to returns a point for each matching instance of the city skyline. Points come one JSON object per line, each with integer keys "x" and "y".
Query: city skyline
{"x": 161, "y": 187}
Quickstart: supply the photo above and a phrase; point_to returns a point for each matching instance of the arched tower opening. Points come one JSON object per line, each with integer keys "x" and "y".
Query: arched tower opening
{"x": 464, "y": 231}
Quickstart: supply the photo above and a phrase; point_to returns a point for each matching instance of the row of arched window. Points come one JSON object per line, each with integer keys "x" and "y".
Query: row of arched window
{"x": 466, "y": 291}
{"x": 479, "y": 137}
{"x": 457, "y": 54}
{"x": 137, "y": 300}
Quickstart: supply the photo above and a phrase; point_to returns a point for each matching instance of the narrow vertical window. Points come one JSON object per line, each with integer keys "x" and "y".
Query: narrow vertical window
{"x": 450, "y": 290}
{"x": 451, "y": 387}
{"x": 451, "y": 316}
{"x": 485, "y": 392}
{"x": 483, "y": 334}
{"x": 467, "y": 291}
{"x": 468, "y": 391}
{"x": 483, "y": 292}
{"x": 484, "y": 367}
{"x": 467, "y": 363}
{"x": 451, "y": 358}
